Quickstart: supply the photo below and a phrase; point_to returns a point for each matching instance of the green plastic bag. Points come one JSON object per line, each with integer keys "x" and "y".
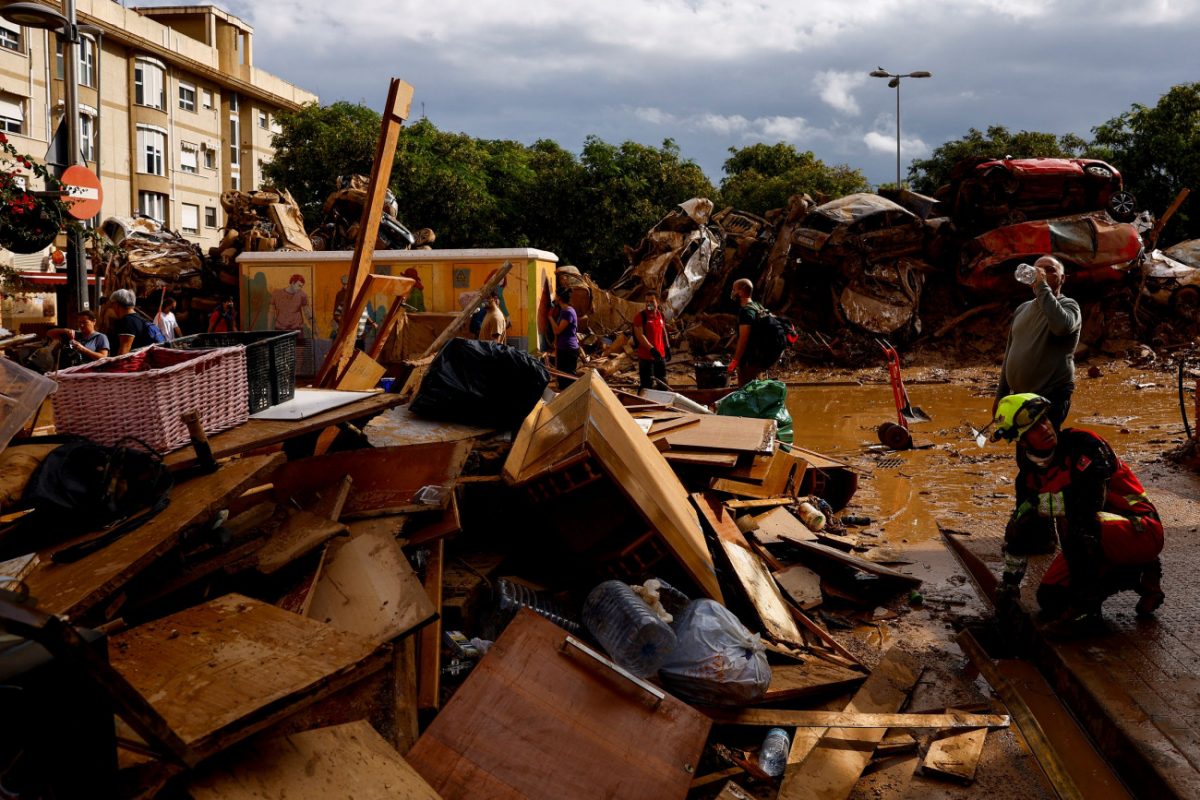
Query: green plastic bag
{"x": 761, "y": 399}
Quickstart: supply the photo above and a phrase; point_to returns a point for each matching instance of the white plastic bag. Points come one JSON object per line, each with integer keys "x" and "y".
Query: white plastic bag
{"x": 717, "y": 660}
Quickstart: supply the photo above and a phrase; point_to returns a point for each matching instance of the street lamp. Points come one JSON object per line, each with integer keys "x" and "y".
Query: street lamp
{"x": 895, "y": 83}
{"x": 36, "y": 15}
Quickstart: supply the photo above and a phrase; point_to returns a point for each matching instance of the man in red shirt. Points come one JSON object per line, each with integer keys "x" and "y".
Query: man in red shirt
{"x": 650, "y": 331}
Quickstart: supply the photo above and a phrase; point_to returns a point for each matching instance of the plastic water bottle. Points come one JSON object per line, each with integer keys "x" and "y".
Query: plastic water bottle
{"x": 631, "y": 634}
{"x": 1026, "y": 274}
{"x": 813, "y": 519}
{"x": 772, "y": 758}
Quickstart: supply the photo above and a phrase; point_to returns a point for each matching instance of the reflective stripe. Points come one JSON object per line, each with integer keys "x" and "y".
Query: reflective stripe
{"x": 1108, "y": 516}
{"x": 1050, "y": 504}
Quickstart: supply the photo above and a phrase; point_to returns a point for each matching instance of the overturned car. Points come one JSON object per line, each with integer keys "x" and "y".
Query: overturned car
{"x": 856, "y": 230}
{"x": 1091, "y": 247}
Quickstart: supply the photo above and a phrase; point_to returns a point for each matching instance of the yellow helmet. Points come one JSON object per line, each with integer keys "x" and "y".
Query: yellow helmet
{"x": 1018, "y": 413}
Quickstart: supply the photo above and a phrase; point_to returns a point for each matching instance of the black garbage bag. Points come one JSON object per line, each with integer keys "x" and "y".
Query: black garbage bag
{"x": 481, "y": 383}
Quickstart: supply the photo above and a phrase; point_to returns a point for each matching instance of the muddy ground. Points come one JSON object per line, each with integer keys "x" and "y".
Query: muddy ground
{"x": 952, "y": 484}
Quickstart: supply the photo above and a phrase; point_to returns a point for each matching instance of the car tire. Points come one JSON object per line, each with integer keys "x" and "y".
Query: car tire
{"x": 894, "y": 436}
{"x": 1122, "y": 206}
{"x": 1185, "y": 301}
{"x": 1101, "y": 172}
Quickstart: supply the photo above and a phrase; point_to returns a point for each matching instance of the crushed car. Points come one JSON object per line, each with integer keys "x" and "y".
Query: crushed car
{"x": 1092, "y": 247}
{"x": 1172, "y": 283}
{"x": 856, "y": 230}
{"x": 993, "y": 193}
{"x": 884, "y": 298}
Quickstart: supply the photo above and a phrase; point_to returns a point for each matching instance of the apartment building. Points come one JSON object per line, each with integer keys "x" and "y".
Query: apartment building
{"x": 174, "y": 112}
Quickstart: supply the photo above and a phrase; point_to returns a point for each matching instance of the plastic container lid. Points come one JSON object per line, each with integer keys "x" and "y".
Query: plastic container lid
{"x": 21, "y": 394}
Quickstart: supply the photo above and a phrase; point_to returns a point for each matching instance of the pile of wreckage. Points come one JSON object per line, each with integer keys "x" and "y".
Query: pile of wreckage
{"x": 141, "y": 254}
{"x": 907, "y": 266}
{"x": 606, "y": 596}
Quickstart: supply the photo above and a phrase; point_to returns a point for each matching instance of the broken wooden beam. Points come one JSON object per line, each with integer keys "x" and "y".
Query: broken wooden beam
{"x": 429, "y": 668}
{"x": 771, "y": 717}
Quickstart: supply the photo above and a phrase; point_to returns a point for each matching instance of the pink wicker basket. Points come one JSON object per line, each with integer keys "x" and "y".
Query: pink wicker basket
{"x": 143, "y": 394}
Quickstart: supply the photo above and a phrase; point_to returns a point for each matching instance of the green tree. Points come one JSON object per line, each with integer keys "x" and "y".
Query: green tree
{"x": 1158, "y": 152}
{"x": 926, "y": 175}
{"x": 761, "y": 177}
{"x": 315, "y": 145}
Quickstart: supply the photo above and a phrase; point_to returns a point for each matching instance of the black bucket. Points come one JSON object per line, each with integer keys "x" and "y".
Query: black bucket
{"x": 710, "y": 375}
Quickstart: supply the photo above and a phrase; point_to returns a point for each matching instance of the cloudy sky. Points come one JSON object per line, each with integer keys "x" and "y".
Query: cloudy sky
{"x": 715, "y": 74}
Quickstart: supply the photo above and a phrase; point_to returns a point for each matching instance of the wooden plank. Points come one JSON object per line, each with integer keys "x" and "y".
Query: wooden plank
{"x": 385, "y": 478}
{"x": 368, "y": 588}
{"x": 393, "y": 323}
{"x": 784, "y": 477}
{"x": 661, "y": 426}
{"x": 221, "y": 671}
{"x": 824, "y": 764}
{"x": 331, "y": 502}
{"x": 701, "y": 458}
{"x": 955, "y": 756}
{"x": 301, "y": 533}
{"x": 534, "y": 720}
{"x": 712, "y": 432}
{"x": 395, "y": 112}
{"x": 429, "y": 667}
{"x": 758, "y": 502}
{"x": 350, "y": 760}
{"x": 362, "y": 373}
{"x": 77, "y": 588}
{"x": 777, "y": 718}
{"x": 782, "y": 525}
{"x": 801, "y": 585}
{"x": 299, "y": 599}
{"x": 404, "y": 694}
{"x": 257, "y": 434}
{"x": 444, "y": 523}
{"x": 823, "y": 635}
{"x": 757, "y": 582}
{"x": 827, "y": 553}
{"x": 812, "y": 678}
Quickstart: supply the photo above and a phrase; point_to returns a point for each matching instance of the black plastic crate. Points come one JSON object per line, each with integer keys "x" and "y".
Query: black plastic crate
{"x": 270, "y": 361}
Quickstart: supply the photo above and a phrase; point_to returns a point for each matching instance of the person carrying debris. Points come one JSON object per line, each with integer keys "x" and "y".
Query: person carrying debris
{"x": 650, "y": 331}
{"x": 565, "y": 324}
{"x": 1071, "y": 481}
{"x": 745, "y": 361}
{"x": 1040, "y": 354}
{"x": 493, "y": 326}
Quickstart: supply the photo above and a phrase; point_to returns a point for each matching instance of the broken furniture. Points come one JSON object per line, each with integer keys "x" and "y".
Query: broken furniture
{"x": 545, "y": 716}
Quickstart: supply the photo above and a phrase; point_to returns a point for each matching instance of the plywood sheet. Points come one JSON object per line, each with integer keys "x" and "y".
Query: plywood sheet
{"x": 701, "y": 458}
{"x": 753, "y": 575}
{"x": 535, "y": 721}
{"x": 398, "y": 426}
{"x": 800, "y": 584}
{"x": 299, "y": 534}
{"x": 955, "y": 756}
{"x": 784, "y": 476}
{"x": 76, "y": 588}
{"x": 350, "y": 760}
{"x": 780, "y": 524}
{"x": 588, "y": 419}
{"x": 386, "y": 479}
{"x": 368, "y": 588}
{"x": 220, "y": 671}
{"x": 712, "y": 432}
{"x": 813, "y": 677}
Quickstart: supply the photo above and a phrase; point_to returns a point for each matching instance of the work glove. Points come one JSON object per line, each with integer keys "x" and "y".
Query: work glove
{"x": 733, "y": 365}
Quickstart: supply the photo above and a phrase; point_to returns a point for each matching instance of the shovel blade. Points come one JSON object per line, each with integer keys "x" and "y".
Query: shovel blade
{"x": 915, "y": 414}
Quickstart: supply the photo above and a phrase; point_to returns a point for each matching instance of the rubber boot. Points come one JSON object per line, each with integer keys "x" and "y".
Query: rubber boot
{"x": 1149, "y": 589}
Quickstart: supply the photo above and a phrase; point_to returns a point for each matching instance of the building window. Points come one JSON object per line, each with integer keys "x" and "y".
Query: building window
{"x": 235, "y": 182}
{"x": 87, "y": 136}
{"x": 12, "y": 114}
{"x": 187, "y": 96}
{"x": 151, "y": 144}
{"x": 206, "y": 98}
{"x": 86, "y": 71}
{"x": 262, "y": 120}
{"x": 233, "y": 102}
{"x": 148, "y": 83}
{"x": 235, "y": 141}
{"x": 153, "y": 205}
{"x": 210, "y": 157}
{"x": 10, "y": 35}
{"x": 210, "y": 217}
{"x": 189, "y": 218}
{"x": 189, "y": 157}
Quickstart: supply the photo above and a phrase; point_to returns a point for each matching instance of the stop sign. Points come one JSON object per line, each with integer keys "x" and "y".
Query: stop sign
{"x": 83, "y": 192}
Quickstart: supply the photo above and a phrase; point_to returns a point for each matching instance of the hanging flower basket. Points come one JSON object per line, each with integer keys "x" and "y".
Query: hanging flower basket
{"x": 28, "y": 223}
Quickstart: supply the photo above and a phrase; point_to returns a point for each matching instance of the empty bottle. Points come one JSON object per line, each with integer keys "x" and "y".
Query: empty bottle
{"x": 1026, "y": 274}
{"x": 772, "y": 758}
{"x": 631, "y": 634}
{"x": 813, "y": 519}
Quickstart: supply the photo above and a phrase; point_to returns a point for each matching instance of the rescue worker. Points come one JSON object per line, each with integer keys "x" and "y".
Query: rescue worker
{"x": 650, "y": 331}
{"x": 1070, "y": 482}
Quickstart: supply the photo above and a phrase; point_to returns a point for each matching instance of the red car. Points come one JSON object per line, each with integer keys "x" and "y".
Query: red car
{"x": 1089, "y": 245}
{"x": 987, "y": 194}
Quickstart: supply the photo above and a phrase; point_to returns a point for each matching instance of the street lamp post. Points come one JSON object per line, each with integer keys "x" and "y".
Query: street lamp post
{"x": 36, "y": 15}
{"x": 895, "y": 83}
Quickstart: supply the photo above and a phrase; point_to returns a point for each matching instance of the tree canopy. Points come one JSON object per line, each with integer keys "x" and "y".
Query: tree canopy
{"x": 761, "y": 177}
{"x": 1157, "y": 150}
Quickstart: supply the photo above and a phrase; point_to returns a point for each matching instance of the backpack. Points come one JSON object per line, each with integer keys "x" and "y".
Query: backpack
{"x": 156, "y": 334}
{"x": 769, "y": 337}
{"x": 83, "y": 486}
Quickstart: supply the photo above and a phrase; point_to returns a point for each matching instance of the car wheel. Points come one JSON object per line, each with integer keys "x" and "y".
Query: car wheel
{"x": 1123, "y": 206}
{"x": 894, "y": 436}
{"x": 1185, "y": 301}
{"x": 1097, "y": 171}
